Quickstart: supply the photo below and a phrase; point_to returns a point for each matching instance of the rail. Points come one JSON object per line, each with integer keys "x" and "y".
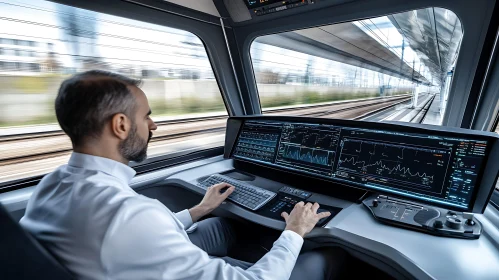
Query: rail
{"x": 34, "y": 135}
{"x": 419, "y": 117}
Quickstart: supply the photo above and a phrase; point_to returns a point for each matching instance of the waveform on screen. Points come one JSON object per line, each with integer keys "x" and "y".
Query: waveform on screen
{"x": 310, "y": 155}
{"x": 380, "y": 164}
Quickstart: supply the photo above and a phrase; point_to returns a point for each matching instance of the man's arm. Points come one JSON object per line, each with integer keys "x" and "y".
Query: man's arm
{"x": 185, "y": 218}
{"x": 211, "y": 200}
{"x": 145, "y": 241}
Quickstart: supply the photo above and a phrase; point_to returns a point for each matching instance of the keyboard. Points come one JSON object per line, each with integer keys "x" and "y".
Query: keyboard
{"x": 245, "y": 194}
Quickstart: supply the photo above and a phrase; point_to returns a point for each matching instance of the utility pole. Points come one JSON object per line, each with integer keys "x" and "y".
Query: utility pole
{"x": 402, "y": 59}
{"x": 414, "y": 88}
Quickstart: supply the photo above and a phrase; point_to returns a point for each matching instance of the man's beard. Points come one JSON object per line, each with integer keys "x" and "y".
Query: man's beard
{"x": 134, "y": 148}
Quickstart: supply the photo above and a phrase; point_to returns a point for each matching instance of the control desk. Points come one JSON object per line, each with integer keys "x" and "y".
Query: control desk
{"x": 444, "y": 170}
{"x": 364, "y": 173}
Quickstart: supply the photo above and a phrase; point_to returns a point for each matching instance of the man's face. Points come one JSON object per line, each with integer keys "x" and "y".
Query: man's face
{"x": 134, "y": 147}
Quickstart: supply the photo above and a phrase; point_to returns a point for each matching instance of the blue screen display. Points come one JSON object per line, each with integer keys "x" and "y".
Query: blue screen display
{"x": 435, "y": 168}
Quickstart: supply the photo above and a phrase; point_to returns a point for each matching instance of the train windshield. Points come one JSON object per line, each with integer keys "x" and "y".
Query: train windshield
{"x": 377, "y": 69}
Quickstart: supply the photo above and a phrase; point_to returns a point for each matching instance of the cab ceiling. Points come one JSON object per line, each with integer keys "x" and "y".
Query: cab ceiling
{"x": 435, "y": 34}
{"x": 205, "y": 6}
{"x": 346, "y": 43}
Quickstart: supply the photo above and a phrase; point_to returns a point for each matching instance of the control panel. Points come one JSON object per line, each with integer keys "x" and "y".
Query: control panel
{"x": 432, "y": 220}
{"x": 436, "y": 168}
{"x": 304, "y": 195}
{"x": 285, "y": 201}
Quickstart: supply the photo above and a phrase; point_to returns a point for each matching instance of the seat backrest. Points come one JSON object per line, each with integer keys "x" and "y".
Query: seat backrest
{"x": 22, "y": 256}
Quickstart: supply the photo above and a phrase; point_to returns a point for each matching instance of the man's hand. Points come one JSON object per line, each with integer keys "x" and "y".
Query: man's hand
{"x": 211, "y": 200}
{"x": 303, "y": 217}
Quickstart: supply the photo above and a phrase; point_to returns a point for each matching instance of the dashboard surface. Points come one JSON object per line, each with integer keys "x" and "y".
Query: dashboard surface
{"x": 407, "y": 254}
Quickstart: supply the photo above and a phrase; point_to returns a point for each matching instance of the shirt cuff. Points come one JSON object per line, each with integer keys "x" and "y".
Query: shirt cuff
{"x": 185, "y": 218}
{"x": 293, "y": 241}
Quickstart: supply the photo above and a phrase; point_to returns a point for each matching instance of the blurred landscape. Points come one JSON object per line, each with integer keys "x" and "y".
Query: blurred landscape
{"x": 42, "y": 43}
{"x": 29, "y": 100}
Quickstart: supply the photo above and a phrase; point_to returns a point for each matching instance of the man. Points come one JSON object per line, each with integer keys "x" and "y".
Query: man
{"x": 86, "y": 214}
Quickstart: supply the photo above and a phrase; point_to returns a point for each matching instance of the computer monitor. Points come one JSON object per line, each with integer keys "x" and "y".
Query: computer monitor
{"x": 435, "y": 166}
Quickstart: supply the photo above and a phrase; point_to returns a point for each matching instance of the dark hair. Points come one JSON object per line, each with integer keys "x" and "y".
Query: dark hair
{"x": 88, "y": 100}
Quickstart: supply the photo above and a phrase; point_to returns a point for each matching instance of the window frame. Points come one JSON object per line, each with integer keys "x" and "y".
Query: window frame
{"x": 160, "y": 162}
{"x": 494, "y": 199}
{"x": 495, "y": 124}
{"x": 470, "y": 67}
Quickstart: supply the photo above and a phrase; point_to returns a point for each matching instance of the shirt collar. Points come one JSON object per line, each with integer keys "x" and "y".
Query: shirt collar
{"x": 108, "y": 166}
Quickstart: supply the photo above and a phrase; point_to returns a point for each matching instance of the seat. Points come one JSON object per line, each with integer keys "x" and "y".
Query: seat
{"x": 22, "y": 256}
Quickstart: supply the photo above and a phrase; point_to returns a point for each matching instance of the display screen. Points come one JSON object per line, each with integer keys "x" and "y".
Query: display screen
{"x": 259, "y": 3}
{"x": 440, "y": 169}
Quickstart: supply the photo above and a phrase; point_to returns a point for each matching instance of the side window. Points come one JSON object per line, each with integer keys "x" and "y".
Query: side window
{"x": 377, "y": 69}
{"x": 56, "y": 41}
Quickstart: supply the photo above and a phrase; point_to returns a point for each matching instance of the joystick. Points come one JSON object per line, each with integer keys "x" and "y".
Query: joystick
{"x": 470, "y": 222}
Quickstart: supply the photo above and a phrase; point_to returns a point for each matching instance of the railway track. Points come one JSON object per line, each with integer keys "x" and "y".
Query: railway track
{"x": 419, "y": 117}
{"x": 44, "y": 134}
{"x": 355, "y": 107}
{"x": 384, "y": 108}
{"x": 58, "y": 132}
{"x": 25, "y": 148}
{"x": 66, "y": 151}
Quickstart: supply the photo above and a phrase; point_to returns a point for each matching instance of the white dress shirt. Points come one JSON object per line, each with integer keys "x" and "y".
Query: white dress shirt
{"x": 86, "y": 214}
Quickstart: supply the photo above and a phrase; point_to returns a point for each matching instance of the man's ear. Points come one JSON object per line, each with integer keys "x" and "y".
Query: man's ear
{"x": 120, "y": 126}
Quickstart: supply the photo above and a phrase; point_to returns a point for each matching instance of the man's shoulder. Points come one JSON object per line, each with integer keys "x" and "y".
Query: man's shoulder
{"x": 80, "y": 192}
{"x": 62, "y": 197}
{"x": 68, "y": 177}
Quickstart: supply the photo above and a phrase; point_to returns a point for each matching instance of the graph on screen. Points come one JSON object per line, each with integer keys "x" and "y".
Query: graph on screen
{"x": 310, "y": 155}
{"x": 308, "y": 147}
{"x": 408, "y": 166}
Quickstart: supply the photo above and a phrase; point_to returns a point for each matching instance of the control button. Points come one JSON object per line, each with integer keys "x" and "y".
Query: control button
{"x": 470, "y": 222}
{"x": 375, "y": 203}
{"x": 438, "y": 224}
{"x": 453, "y": 223}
